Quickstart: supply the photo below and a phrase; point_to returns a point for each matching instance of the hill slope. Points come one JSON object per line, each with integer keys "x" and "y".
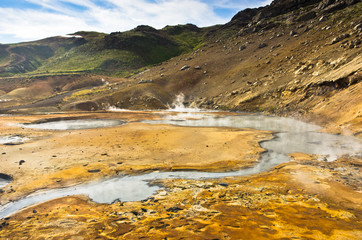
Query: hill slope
{"x": 299, "y": 58}
{"x": 115, "y": 53}
{"x": 304, "y": 62}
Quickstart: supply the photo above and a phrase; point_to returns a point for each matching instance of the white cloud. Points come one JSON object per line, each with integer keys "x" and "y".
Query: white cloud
{"x": 32, "y": 24}
{"x": 128, "y": 14}
{"x": 55, "y": 17}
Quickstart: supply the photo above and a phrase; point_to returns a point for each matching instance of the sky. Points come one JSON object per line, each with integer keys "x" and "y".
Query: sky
{"x": 27, "y": 20}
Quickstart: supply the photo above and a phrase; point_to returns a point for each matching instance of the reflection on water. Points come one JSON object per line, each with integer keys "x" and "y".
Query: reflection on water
{"x": 291, "y": 136}
{"x": 75, "y": 124}
{"x": 260, "y": 122}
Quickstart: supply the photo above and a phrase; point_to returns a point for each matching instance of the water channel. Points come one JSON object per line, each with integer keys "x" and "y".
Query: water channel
{"x": 290, "y": 136}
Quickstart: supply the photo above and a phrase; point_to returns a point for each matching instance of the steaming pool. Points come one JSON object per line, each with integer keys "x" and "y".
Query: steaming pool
{"x": 74, "y": 124}
{"x": 290, "y": 136}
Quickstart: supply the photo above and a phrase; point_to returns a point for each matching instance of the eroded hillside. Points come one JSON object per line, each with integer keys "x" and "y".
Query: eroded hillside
{"x": 305, "y": 63}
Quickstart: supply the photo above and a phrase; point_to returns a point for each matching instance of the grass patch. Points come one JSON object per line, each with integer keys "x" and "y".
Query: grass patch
{"x": 85, "y": 94}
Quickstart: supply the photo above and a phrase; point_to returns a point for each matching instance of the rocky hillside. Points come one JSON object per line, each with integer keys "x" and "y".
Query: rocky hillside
{"x": 289, "y": 58}
{"x": 295, "y": 58}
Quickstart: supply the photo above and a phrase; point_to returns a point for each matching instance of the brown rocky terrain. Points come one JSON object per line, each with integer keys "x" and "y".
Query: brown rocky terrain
{"x": 299, "y": 59}
{"x": 290, "y": 64}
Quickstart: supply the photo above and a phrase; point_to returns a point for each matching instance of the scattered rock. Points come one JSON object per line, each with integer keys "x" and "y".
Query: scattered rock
{"x": 186, "y": 67}
{"x": 262, "y": 45}
{"x": 356, "y": 42}
{"x": 242, "y": 47}
{"x": 276, "y": 46}
{"x": 340, "y": 38}
{"x": 197, "y": 67}
{"x": 234, "y": 93}
{"x": 358, "y": 27}
{"x": 323, "y": 18}
{"x": 21, "y": 162}
{"x": 224, "y": 184}
{"x": 174, "y": 209}
{"x": 292, "y": 33}
{"x": 145, "y": 81}
{"x": 307, "y": 16}
{"x": 135, "y": 213}
{"x": 94, "y": 171}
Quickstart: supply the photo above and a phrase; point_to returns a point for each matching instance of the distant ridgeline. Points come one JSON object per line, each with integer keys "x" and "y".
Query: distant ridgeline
{"x": 118, "y": 53}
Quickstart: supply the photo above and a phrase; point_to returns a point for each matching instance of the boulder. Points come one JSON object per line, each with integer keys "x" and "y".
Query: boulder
{"x": 186, "y": 67}
{"x": 328, "y": 6}
{"x": 340, "y": 38}
{"x": 242, "y": 47}
{"x": 145, "y": 81}
{"x": 307, "y": 16}
{"x": 292, "y": 33}
{"x": 262, "y": 45}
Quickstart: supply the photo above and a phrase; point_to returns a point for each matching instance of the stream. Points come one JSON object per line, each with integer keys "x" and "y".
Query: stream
{"x": 290, "y": 136}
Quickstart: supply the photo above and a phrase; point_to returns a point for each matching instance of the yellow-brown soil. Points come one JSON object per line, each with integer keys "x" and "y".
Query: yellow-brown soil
{"x": 298, "y": 200}
{"x": 61, "y": 158}
{"x": 302, "y": 199}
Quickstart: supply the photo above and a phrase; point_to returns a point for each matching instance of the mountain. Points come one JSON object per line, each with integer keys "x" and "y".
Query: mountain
{"x": 295, "y": 58}
{"x": 116, "y": 53}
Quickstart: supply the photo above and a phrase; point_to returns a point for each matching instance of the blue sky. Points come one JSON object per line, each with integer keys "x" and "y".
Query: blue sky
{"x": 26, "y": 20}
